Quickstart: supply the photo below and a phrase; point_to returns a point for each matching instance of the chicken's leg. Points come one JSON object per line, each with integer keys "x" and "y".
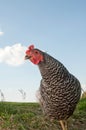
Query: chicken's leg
{"x": 63, "y": 124}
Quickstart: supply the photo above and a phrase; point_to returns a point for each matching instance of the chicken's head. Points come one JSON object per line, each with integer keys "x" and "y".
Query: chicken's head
{"x": 34, "y": 55}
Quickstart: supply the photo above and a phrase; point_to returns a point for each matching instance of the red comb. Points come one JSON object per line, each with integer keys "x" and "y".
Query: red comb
{"x": 31, "y": 47}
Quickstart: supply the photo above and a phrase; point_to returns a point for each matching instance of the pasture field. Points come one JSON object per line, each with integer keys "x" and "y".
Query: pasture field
{"x": 28, "y": 116}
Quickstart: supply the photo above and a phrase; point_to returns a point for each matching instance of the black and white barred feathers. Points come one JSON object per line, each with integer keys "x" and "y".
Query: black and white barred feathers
{"x": 59, "y": 90}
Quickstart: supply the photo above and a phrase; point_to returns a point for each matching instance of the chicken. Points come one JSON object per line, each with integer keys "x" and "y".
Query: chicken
{"x": 59, "y": 90}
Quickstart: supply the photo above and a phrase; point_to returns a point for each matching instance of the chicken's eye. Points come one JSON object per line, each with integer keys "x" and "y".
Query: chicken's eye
{"x": 36, "y": 52}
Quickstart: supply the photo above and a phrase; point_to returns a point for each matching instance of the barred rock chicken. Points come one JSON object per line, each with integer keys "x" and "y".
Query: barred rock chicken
{"x": 59, "y": 90}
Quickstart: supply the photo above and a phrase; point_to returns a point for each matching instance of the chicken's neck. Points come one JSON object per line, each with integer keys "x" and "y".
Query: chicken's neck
{"x": 51, "y": 67}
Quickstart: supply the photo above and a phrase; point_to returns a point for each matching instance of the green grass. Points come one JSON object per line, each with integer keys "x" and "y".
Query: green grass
{"x": 28, "y": 116}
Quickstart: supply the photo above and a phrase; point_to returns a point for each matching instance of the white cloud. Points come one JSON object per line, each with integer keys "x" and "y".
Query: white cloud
{"x": 1, "y": 33}
{"x": 13, "y": 55}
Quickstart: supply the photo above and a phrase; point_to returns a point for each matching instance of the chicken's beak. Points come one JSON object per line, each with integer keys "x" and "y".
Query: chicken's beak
{"x": 27, "y": 57}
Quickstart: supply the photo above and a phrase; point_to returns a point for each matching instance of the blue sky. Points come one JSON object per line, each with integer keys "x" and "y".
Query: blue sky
{"x": 56, "y": 26}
